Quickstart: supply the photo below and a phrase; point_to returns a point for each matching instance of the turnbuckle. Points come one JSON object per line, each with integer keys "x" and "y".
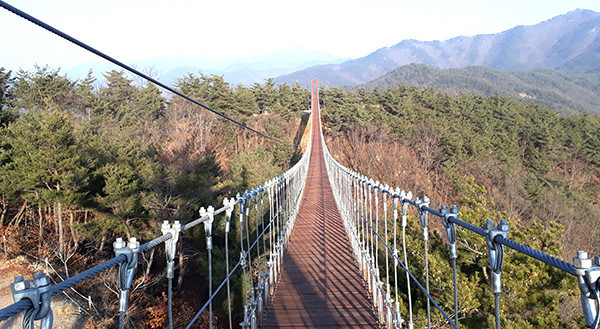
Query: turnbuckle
{"x": 405, "y": 196}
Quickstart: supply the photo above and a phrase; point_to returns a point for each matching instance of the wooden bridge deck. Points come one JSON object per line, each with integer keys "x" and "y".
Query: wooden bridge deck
{"x": 320, "y": 284}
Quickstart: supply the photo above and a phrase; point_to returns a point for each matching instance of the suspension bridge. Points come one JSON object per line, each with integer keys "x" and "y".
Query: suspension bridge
{"x": 318, "y": 246}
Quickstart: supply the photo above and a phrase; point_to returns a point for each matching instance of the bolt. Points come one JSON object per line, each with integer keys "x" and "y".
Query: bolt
{"x": 582, "y": 261}
{"x": 133, "y": 243}
{"x": 488, "y": 225}
{"x": 503, "y": 226}
{"x": 454, "y": 209}
{"x": 40, "y": 280}
{"x": 20, "y": 284}
{"x": 444, "y": 209}
{"x": 165, "y": 225}
{"x": 119, "y": 244}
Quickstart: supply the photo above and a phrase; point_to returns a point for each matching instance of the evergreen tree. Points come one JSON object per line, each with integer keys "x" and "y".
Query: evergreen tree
{"x": 45, "y": 164}
{"x": 7, "y": 112}
{"x": 45, "y": 89}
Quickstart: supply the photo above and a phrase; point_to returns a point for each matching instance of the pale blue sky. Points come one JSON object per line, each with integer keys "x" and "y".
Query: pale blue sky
{"x": 137, "y": 30}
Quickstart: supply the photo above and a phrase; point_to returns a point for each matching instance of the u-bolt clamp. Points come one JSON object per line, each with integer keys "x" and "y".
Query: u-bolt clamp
{"x": 230, "y": 205}
{"x": 127, "y": 268}
{"x": 424, "y": 215}
{"x": 450, "y": 227}
{"x": 588, "y": 274}
{"x": 171, "y": 245}
{"x": 210, "y": 214}
{"x": 496, "y": 250}
{"x": 38, "y": 292}
{"x": 404, "y": 197}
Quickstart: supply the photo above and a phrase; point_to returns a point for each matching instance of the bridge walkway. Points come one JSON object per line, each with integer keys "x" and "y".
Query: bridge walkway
{"x": 320, "y": 284}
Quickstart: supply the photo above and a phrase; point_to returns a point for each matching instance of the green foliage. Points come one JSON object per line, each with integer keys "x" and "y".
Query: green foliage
{"x": 250, "y": 169}
{"x": 498, "y": 158}
{"x": 45, "y": 162}
{"x": 7, "y": 113}
{"x": 563, "y": 92}
{"x": 88, "y": 165}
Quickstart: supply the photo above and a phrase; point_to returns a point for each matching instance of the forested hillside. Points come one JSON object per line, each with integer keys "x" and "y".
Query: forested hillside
{"x": 80, "y": 166}
{"x": 495, "y": 158}
{"x": 566, "y": 93}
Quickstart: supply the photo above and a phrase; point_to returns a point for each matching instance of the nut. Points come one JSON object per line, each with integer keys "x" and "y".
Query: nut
{"x": 40, "y": 280}
{"x": 503, "y": 226}
{"x": 20, "y": 284}
{"x": 119, "y": 244}
{"x": 582, "y": 261}
{"x": 488, "y": 225}
{"x": 133, "y": 243}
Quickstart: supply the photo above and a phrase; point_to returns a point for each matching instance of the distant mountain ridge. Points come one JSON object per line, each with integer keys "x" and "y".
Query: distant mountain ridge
{"x": 244, "y": 70}
{"x": 563, "y": 92}
{"x": 569, "y": 42}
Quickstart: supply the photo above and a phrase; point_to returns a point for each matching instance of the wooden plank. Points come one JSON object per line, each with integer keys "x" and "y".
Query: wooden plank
{"x": 320, "y": 285}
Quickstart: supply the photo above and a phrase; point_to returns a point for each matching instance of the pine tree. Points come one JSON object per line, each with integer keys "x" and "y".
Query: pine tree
{"x": 7, "y": 112}
{"x": 45, "y": 163}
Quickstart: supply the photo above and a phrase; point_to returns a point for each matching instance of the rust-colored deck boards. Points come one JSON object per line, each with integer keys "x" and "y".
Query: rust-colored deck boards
{"x": 319, "y": 285}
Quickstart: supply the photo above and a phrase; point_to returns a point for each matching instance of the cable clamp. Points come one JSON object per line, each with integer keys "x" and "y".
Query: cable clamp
{"x": 230, "y": 205}
{"x": 422, "y": 203}
{"x": 254, "y": 193}
{"x": 210, "y": 214}
{"x": 450, "y": 227}
{"x": 171, "y": 245}
{"x": 496, "y": 250}
{"x": 38, "y": 292}
{"x": 243, "y": 262}
{"x": 377, "y": 185}
{"x": 395, "y": 253}
{"x": 424, "y": 215}
{"x": 588, "y": 275}
{"x": 127, "y": 268}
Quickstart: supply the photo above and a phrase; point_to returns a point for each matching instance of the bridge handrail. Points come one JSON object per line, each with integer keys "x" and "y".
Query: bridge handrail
{"x": 287, "y": 188}
{"x": 355, "y": 192}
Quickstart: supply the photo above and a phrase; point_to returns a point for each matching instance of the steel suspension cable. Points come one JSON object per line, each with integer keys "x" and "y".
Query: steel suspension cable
{"x": 67, "y": 37}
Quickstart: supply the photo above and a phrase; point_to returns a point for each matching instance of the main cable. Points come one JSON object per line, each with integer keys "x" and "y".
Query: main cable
{"x": 65, "y": 36}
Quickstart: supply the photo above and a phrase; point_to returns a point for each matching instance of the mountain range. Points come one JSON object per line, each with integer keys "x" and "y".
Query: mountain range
{"x": 244, "y": 70}
{"x": 569, "y": 42}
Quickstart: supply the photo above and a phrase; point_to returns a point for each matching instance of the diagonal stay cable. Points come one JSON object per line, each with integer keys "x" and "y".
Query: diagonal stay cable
{"x": 65, "y": 36}
{"x": 214, "y": 294}
{"x": 429, "y": 297}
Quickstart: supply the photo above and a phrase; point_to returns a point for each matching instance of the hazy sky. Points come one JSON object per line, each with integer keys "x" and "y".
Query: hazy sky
{"x": 136, "y": 29}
